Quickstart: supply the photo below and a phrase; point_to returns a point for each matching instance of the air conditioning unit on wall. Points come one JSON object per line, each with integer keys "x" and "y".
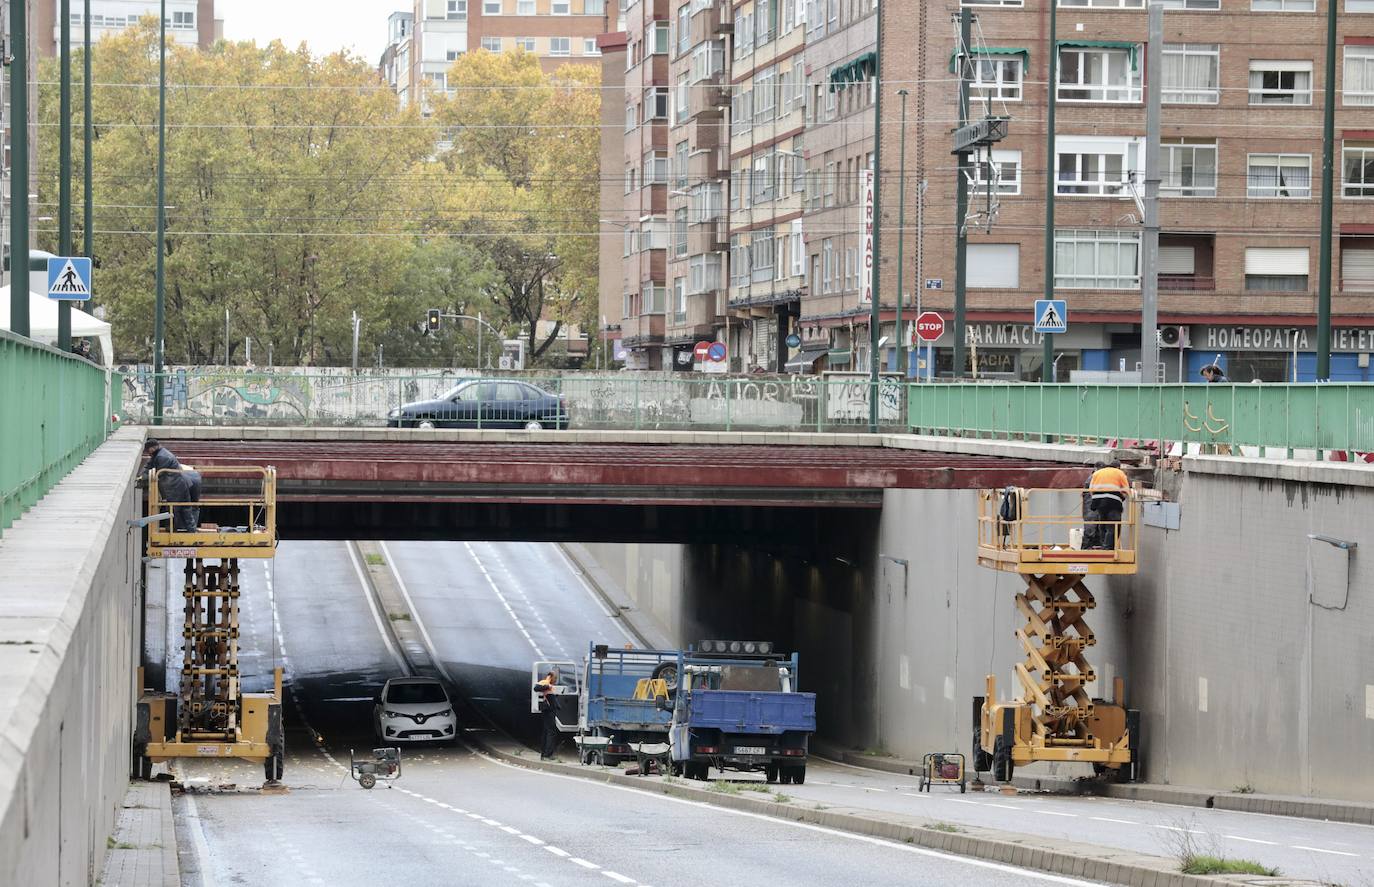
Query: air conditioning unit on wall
{"x": 1175, "y": 337}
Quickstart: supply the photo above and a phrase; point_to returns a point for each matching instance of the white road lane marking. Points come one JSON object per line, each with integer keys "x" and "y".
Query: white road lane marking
{"x": 1118, "y": 821}
{"x": 617, "y": 876}
{"x": 202, "y": 848}
{"x": 482, "y": 568}
{"x": 1053, "y": 813}
{"x": 556, "y": 851}
{"x": 1174, "y": 828}
{"x": 1321, "y": 850}
{"x": 586, "y": 864}
{"x": 533, "y": 840}
{"x": 1250, "y": 840}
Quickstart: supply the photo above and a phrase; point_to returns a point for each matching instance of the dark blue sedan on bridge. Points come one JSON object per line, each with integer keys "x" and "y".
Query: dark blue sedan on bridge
{"x": 485, "y": 403}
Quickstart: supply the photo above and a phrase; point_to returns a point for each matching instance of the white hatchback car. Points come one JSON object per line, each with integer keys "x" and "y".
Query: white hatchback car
{"x": 414, "y": 710}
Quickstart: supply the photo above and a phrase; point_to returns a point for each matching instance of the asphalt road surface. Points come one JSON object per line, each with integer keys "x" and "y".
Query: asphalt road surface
{"x": 456, "y": 817}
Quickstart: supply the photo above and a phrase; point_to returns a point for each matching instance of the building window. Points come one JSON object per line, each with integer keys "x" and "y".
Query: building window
{"x": 680, "y": 154}
{"x": 1357, "y": 169}
{"x": 1088, "y": 259}
{"x": 991, "y": 2}
{"x": 1280, "y": 83}
{"x": 1357, "y": 265}
{"x": 491, "y": 7}
{"x": 653, "y": 233}
{"x": 631, "y": 241}
{"x": 452, "y": 54}
{"x": 1276, "y": 269}
{"x": 655, "y": 167}
{"x": 679, "y": 300}
{"x": 1095, "y": 165}
{"x": 655, "y": 298}
{"x": 560, "y": 46}
{"x": 1006, "y": 164}
{"x": 828, "y": 265}
{"x": 655, "y": 101}
{"x": 1190, "y": 4}
{"x": 491, "y": 44}
{"x": 741, "y": 111}
{"x": 684, "y": 28}
{"x": 681, "y": 107}
{"x": 761, "y": 256}
{"x": 706, "y": 203}
{"x": 708, "y": 60}
{"x": 680, "y": 232}
{"x": 739, "y": 262}
{"x": 631, "y": 120}
{"x": 525, "y": 43}
{"x": 458, "y": 10}
{"x": 524, "y": 7}
{"x": 560, "y": 7}
{"x": 183, "y": 21}
{"x": 1358, "y": 86}
{"x": 589, "y": 46}
{"x": 657, "y": 38}
{"x": 1102, "y": 4}
{"x": 1283, "y": 5}
{"x": 1359, "y": 5}
{"x": 1280, "y": 175}
{"x": 703, "y": 273}
{"x": 994, "y": 266}
{"x": 765, "y": 95}
{"x": 1099, "y": 74}
{"x": 594, "y": 7}
{"x": 1190, "y": 74}
{"x": 1188, "y": 167}
{"x": 997, "y": 77}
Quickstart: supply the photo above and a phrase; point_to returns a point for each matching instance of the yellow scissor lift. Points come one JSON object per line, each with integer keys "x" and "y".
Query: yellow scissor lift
{"x": 1030, "y": 532}
{"x": 209, "y": 716}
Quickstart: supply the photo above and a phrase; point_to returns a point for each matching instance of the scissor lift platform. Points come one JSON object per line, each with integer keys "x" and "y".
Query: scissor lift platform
{"x": 1036, "y": 534}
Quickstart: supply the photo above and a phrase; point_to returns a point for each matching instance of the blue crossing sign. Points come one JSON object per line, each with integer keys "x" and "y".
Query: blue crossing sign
{"x": 69, "y": 278}
{"x": 1051, "y": 316}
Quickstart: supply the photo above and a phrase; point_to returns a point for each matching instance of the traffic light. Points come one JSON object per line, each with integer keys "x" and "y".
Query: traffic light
{"x": 433, "y": 320}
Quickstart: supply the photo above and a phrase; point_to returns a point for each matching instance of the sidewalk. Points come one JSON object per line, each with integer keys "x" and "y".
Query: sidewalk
{"x": 1360, "y": 813}
{"x": 143, "y": 849}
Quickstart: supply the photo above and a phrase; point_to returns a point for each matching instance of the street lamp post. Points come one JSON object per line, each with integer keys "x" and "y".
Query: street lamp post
{"x": 160, "y": 293}
{"x": 901, "y": 238}
{"x": 64, "y": 167}
{"x": 19, "y": 171}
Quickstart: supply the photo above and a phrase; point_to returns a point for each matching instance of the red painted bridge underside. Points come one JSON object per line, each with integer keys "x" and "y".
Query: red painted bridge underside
{"x": 406, "y": 469}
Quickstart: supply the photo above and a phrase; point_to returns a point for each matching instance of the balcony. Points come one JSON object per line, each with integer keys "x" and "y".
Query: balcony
{"x": 1186, "y": 283}
{"x": 699, "y": 320}
{"x": 714, "y": 21}
{"x": 707, "y": 237}
{"x": 704, "y": 164}
{"x": 646, "y": 329}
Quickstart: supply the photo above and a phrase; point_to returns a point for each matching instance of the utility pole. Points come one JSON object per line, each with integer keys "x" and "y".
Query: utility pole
{"x": 88, "y": 139}
{"x": 920, "y": 283}
{"x": 356, "y": 324}
{"x": 874, "y": 318}
{"x": 1052, "y": 55}
{"x": 1328, "y": 161}
{"x": 901, "y": 239}
{"x": 64, "y": 167}
{"x": 1149, "y": 277}
{"x": 160, "y": 294}
{"x": 226, "y": 338}
{"x": 19, "y": 171}
{"x": 961, "y": 194}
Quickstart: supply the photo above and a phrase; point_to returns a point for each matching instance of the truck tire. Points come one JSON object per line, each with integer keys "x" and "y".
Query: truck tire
{"x": 798, "y": 774}
{"x": 1002, "y": 765}
{"x": 771, "y": 773}
{"x": 272, "y": 768}
{"x": 982, "y": 761}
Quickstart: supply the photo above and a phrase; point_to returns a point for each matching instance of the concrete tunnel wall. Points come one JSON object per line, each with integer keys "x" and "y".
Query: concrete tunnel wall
{"x": 1240, "y": 680}
{"x": 68, "y": 653}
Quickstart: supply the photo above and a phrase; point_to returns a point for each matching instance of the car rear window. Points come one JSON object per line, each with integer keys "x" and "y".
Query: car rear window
{"x": 415, "y": 694}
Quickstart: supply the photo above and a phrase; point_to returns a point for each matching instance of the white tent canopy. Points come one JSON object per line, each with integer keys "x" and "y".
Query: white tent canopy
{"x": 43, "y": 323}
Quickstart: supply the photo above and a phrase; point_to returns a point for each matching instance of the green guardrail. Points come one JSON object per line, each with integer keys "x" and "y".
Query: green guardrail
{"x": 53, "y": 413}
{"x": 1282, "y": 416}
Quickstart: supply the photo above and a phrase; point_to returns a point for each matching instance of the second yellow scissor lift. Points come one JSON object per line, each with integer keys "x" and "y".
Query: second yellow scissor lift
{"x": 1031, "y": 532}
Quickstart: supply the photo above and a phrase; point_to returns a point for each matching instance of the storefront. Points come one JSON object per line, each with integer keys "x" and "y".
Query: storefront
{"x": 1015, "y": 351}
{"x": 1250, "y": 353}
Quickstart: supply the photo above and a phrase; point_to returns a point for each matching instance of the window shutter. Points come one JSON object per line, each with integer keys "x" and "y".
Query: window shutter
{"x": 1176, "y": 260}
{"x": 994, "y": 265}
{"x": 1275, "y": 260}
{"x": 1357, "y": 269}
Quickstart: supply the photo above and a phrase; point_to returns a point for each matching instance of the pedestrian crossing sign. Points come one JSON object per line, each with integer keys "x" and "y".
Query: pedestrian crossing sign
{"x": 1051, "y": 316}
{"x": 69, "y": 278}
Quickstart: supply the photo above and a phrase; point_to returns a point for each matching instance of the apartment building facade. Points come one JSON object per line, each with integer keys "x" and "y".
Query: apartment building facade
{"x": 1242, "y": 90}
{"x": 189, "y": 22}
{"x": 558, "y": 31}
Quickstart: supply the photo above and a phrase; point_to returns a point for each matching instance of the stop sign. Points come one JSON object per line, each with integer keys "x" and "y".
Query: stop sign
{"x": 929, "y": 326}
{"x": 701, "y": 350}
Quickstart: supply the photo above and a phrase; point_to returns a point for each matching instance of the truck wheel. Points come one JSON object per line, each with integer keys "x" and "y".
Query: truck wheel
{"x": 666, "y": 672}
{"x": 1002, "y": 765}
{"x": 770, "y": 773}
{"x": 799, "y": 775}
{"x": 367, "y": 780}
{"x": 272, "y": 768}
{"x": 982, "y": 761}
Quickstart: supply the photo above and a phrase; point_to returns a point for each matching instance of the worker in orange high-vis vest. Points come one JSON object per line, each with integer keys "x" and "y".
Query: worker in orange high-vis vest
{"x": 1107, "y": 490}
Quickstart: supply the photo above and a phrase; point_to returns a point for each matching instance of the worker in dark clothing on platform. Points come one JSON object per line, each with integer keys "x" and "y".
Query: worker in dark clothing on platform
{"x": 1213, "y": 373}
{"x": 1108, "y": 489}
{"x": 548, "y": 714}
{"x": 175, "y": 484}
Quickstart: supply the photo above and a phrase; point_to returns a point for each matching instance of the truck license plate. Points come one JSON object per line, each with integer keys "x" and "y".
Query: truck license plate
{"x": 749, "y": 750}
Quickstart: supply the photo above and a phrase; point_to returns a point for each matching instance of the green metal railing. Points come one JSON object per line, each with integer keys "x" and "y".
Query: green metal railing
{"x": 1283, "y": 416}
{"x": 52, "y": 415}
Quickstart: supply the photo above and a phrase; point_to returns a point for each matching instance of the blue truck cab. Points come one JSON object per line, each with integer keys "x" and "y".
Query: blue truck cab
{"x": 737, "y": 708}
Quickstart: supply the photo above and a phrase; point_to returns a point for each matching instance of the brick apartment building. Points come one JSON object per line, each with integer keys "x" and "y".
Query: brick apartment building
{"x": 1241, "y": 166}
{"x": 422, "y": 47}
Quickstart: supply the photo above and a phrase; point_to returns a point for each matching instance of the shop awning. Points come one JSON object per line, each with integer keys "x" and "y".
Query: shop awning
{"x": 1132, "y": 49}
{"x": 983, "y": 51}
{"x": 855, "y": 70}
{"x": 805, "y": 360}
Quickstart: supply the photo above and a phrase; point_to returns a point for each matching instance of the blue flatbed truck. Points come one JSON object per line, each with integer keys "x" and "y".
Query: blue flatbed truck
{"x": 737, "y": 708}
{"x": 621, "y": 717}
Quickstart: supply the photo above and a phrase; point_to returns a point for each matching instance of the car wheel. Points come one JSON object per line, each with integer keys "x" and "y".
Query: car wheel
{"x": 425, "y": 425}
{"x": 534, "y": 425}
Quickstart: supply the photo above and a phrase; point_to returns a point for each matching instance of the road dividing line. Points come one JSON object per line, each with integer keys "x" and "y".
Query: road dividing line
{"x": 538, "y": 652}
{"x": 1250, "y": 840}
{"x": 556, "y": 851}
{"x": 1320, "y": 850}
{"x": 617, "y": 876}
{"x": 577, "y": 860}
{"x": 1053, "y": 813}
{"x": 1121, "y": 821}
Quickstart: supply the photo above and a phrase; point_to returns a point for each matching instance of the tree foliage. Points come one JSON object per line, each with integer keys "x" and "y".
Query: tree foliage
{"x": 299, "y": 192}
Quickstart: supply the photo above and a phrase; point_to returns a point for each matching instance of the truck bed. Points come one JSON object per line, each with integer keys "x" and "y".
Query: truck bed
{"x": 627, "y": 714}
{"x": 747, "y": 711}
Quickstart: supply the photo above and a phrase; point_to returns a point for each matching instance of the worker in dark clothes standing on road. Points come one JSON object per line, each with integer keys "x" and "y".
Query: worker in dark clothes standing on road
{"x": 1108, "y": 489}
{"x": 176, "y": 484}
{"x": 548, "y": 713}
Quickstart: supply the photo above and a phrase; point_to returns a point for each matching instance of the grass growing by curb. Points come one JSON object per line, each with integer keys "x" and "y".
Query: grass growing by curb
{"x": 754, "y": 786}
{"x": 374, "y": 560}
{"x": 781, "y": 798}
{"x": 398, "y": 617}
{"x": 725, "y": 788}
{"x": 949, "y": 827}
{"x": 1219, "y": 865}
